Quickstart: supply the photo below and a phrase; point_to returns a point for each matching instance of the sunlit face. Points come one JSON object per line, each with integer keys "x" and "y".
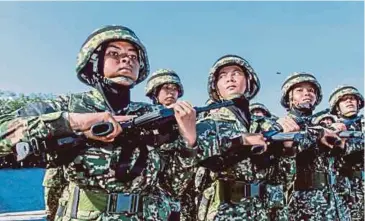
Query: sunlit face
{"x": 168, "y": 94}
{"x": 231, "y": 80}
{"x": 303, "y": 93}
{"x": 258, "y": 112}
{"x": 348, "y": 105}
{"x": 121, "y": 63}
{"x": 327, "y": 121}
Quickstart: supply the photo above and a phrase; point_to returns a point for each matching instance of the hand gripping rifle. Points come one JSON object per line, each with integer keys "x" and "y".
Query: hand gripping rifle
{"x": 145, "y": 127}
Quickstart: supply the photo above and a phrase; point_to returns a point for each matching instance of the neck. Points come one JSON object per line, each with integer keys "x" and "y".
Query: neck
{"x": 117, "y": 97}
{"x": 350, "y": 117}
{"x": 301, "y": 112}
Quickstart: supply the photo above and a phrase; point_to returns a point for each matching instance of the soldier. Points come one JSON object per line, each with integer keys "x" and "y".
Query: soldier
{"x": 164, "y": 87}
{"x": 259, "y": 109}
{"x": 233, "y": 188}
{"x": 346, "y": 102}
{"x": 107, "y": 180}
{"x": 325, "y": 120}
{"x": 305, "y": 164}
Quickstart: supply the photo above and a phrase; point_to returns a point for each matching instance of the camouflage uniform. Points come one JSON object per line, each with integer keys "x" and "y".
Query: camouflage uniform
{"x": 53, "y": 183}
{"x": 311, "y": 170}
{"x": 92, "y": 168}
{"x": 350, "y": 167}
{"x": 222, "y": 186}
{"x": 179, "y": 184}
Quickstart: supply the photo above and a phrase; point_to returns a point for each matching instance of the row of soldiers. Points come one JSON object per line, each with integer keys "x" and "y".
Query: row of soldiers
{"x": 221, "y": 165}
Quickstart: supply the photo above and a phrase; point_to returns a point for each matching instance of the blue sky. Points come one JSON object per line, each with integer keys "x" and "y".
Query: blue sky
{"x": 40, "y": 41}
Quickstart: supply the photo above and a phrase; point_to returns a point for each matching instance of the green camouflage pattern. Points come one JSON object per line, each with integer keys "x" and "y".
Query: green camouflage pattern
{"x": 210, "y": 206}
{"x": 54, "y": 183}
{"x": 176, "y": 180}
{"x": 317, "y": 120}
{"x": 91, "y": 168}
{"x": 320, "y": 203}
{"x": 296, "y": 78}
{"x": 112, "y": 33}
{"x": 341, "y": 91}
{"x": 350, "y": 186}
{"x": 161, "y": 77}
{"x": 253, "y": 81}
{"x": 260, "y": 106}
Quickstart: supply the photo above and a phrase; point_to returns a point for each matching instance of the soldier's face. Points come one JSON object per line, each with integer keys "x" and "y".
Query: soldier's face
{"x": 304, "y": 93}
{"x": 231, "y": 80}
{"x": 348, "y": 104}
{"x": 168, "y": 94}
{"x": 121, "y": 63}
{"x": 258, "y": 112}
{"x": 327, "y": 121}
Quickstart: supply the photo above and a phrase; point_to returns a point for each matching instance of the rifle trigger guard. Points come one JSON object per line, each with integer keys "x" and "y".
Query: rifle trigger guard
{"x": 102, "y": 129}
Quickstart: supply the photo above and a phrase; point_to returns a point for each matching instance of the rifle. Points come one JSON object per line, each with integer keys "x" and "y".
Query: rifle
{"x": 238, "y": 151}
{"x": 351, "y": 134}
{"x": 145, "y": 127}
{"x": 156, "y": 119}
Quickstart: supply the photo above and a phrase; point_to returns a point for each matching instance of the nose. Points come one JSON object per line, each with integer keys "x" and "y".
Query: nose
{"x": 124, "y": 58}
{"x": 306, "y": 92}
{"x": 230, "y": 78}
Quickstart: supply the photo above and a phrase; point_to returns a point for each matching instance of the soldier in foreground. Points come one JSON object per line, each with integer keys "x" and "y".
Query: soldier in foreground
{"x": 346, "y": 102}
{"x": 107, "y": 180}
{"x": 305, "y": 169}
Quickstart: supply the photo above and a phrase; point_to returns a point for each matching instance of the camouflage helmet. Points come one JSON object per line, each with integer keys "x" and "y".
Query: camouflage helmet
{"x": 88, "y": 51}
{"x": 318, "y": 119}
{"x": 341, "y": 91}
{"x": 257, "y": 105}
{"x": 294, "y": 79}
{"x": 253, "y": 83}
{"x": 160, "y": 77}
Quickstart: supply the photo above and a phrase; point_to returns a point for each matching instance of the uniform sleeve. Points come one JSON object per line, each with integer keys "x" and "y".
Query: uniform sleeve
{"x": 28, "y": 122}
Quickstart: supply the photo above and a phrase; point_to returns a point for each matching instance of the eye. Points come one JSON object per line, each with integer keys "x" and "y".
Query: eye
{"x": 113, "y": 54}
{"x": 237, "y": 73}
{"x": 311, "y": 90}
{"x": 222, "y": 75}
{"x": 133, "y": 57}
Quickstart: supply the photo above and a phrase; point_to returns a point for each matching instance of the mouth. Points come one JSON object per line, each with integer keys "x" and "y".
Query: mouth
{"x": 231, "y": 87}
{"x": 308, "y": 100}
{"x": 125, "y": 69}
{"x": 350, "y": 106}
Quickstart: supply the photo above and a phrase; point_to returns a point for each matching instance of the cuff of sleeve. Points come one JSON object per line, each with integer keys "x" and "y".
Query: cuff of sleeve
{"x": 58, "y": 124}
{"x": 185, "y": 150}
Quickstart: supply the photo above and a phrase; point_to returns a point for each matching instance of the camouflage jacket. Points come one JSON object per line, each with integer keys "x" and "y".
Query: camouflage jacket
{"x": 350, "y": 168}
{"x": 91, "y": 167}
{"x": 320, "y": 202}
{"x": 225, "y": 126}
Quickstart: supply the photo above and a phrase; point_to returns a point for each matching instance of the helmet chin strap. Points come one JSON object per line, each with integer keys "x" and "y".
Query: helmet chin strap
{"x": 348, "y": 114}
{"x": 116, "y": 97}
{"x": 126, "y": 80}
